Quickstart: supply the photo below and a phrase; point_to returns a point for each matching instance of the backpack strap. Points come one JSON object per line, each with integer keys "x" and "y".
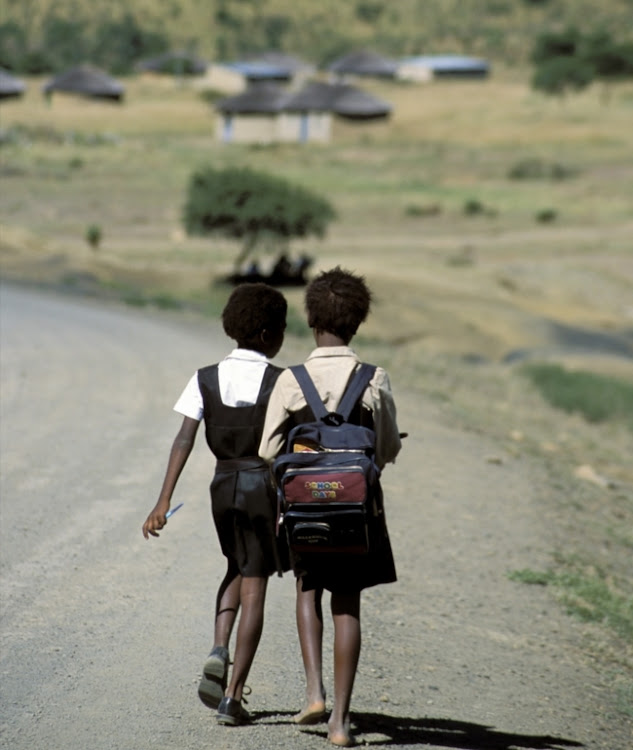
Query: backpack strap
{"x": 309, "y": 391}
{"x": 355, "y": 389}
{"x": 353, "y": 392}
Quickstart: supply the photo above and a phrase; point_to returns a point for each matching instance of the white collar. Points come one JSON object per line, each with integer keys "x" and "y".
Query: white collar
{"x": 247, "y": 354}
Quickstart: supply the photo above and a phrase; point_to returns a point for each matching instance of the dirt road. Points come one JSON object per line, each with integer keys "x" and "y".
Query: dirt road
{"x": 103, "y": 633}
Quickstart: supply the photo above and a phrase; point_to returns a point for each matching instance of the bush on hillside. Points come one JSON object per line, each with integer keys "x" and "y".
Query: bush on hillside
{"x": 569, "y": 60}
{"x": 254, "y": 207}
{"x": 559, "y": 75}
{"x": 537, "y": 169}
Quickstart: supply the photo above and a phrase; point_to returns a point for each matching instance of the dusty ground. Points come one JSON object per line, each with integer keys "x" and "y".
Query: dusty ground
{"x": 103, "y": 633}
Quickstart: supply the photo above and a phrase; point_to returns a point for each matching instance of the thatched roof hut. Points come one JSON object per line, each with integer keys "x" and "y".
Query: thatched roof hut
{"x": 258, "y": 98}
{"x": 339, "y": 98}
{"x": 267, "y": 113}
{"x": 364, "y": 63}
{"x": 10, "y": 86}
{"x": 86, "y": 80}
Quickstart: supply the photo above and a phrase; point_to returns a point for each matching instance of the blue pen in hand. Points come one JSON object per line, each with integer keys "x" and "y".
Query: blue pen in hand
{"x": 173, "y": 510}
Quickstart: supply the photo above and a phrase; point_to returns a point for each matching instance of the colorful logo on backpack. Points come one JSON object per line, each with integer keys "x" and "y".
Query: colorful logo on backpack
{"x": 324, "y": 490}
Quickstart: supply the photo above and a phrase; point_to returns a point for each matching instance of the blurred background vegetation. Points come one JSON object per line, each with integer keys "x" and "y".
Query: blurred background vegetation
{"x": 34, "y": 34}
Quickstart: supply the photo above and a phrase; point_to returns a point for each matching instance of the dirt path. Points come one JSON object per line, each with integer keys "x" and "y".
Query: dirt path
{"x": 103, "y": 633}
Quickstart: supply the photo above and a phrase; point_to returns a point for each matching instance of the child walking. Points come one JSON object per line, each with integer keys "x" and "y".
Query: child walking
{"x": 336, "y": 302}
{"x": 231, "y": 397}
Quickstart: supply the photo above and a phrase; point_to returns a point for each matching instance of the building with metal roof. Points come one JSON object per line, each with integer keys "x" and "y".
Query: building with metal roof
{"x": 445, "y": 66}
{"x": 272, "y": 66}
{"x": 10, "y": 86}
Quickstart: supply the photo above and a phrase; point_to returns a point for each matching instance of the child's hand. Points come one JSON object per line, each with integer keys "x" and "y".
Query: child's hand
{"x": 156, "y": 520}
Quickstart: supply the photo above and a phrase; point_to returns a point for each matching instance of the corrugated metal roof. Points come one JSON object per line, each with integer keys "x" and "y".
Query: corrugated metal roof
{"x": 449, "y": 63}
{"x": 270, "y": 66}
{"x": 10, "y": 86}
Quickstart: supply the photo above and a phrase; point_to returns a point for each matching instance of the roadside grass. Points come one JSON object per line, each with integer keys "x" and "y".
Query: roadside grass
{"x": 587, "y": 593}
{"x": 598, "y": 398}
{"x": 624, "y": 692}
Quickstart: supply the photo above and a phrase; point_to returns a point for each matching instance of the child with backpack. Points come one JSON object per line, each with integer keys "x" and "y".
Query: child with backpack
{"x": 337, "y": 302}
{"x": 231, "y": 397}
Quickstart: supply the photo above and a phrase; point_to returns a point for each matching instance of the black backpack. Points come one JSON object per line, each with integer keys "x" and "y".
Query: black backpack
{"x": 327, "y": 481}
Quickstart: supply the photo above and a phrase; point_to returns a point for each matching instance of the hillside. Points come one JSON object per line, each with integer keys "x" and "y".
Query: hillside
{"x": 502, "y": 30}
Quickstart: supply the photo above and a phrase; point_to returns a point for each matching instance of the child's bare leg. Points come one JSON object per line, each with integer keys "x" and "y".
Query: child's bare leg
{"x": 249, "y": 631}
{"x": 347, "y": 643}
{"x": 227, "y": 606}
{"x": 310, "y": 629}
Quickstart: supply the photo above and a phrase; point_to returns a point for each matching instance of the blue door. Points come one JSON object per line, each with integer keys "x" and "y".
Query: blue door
{"x": 304, "y": 127}
{"x": 227, "y": 129}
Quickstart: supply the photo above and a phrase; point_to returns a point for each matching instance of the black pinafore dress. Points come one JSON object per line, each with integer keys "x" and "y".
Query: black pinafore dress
{"x": 243, "y": 497}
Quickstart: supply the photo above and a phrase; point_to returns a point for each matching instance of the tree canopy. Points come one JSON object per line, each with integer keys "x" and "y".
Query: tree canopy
{"x": 572, "y": 60}
{"x": 257, "y": 208}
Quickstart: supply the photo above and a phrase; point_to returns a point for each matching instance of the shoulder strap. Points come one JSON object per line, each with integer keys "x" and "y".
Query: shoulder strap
{"x": 354, "y": 390}
{"x": 309, "y": 391}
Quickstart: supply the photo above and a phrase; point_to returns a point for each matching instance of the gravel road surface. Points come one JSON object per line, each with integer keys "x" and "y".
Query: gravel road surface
{"x": 103, "y": 633}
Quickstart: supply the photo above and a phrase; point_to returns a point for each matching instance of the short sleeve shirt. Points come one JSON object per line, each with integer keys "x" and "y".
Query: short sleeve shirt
{"x": 330, "y": 369}
{"x": 240, "y": 375}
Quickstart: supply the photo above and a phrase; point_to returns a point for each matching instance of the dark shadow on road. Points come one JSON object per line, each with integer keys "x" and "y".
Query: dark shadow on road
{"x": 448, "y": 733}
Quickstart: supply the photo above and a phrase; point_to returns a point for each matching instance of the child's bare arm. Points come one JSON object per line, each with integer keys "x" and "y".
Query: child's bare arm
{"x": 180, "y": 450}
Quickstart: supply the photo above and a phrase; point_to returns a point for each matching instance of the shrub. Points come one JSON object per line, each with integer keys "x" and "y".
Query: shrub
{"x": 93, "y": 236}
{"x": 546, "y": 215}
{"x": 416, "y": 210}
{"x": 472, "y": 207}
{"x": 536, "y": 169}
{"x": 553, "y": 45}
{"x": 560, "y": 74}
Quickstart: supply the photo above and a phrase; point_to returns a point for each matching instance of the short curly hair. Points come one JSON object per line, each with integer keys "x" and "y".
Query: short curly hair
{"x": 337, "y": 301}
{"x": 252, "y": 308}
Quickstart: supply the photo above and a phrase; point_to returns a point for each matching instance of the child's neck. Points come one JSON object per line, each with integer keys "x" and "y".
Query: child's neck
{"x": 325, "y": 338}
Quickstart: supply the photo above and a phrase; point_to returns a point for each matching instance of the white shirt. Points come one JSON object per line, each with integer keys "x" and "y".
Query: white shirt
{"x": 240, "y": 375}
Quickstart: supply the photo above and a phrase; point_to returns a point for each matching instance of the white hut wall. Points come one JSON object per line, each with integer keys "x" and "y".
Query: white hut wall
{"x": 238, "y": 128}
{"x": 304, "y": 126}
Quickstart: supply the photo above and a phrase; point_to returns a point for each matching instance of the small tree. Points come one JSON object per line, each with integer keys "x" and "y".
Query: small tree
{"x": 559, "y": 74}
{"x": 612, "y": 60}
{"x": 93, "y": 236}
{"x": 570, "y": 60}
{"x": 253, "y": 207}
{"x": 554, "y": 44}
